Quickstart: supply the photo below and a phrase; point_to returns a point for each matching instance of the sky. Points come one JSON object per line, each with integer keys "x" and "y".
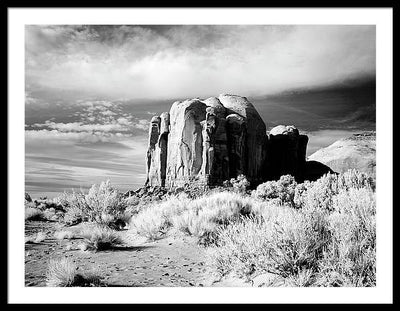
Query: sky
{"x": 91, "y": 90}
{"x": 178, "y": 61}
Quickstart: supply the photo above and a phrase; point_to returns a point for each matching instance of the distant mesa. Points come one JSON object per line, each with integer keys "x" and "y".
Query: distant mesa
{"x": 357, "y": 151}
{"x": 212, "y": 140}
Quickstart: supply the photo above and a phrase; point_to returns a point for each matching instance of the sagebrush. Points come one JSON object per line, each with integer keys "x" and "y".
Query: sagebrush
{"x": 319, "y": 233}
{"x": 102, "y": 204}
{"x": 328, "y": 239}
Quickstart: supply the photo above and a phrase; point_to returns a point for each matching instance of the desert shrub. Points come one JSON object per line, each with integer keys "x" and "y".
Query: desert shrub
{"x": 132, "y": 205}
{"x": 105, "y": 204}
{"x": 198, "y": 217}
{"x": 75, "y": 205}
{"x": 63, "y": 273}
{"x": 355, "y": 179}
{"x": 240, "y": 184}
{"x": 154, "y": 221}
{"x": 350, "y": 258}
{"x": 193, "y": 190}
{"x": 300, "y": 193}
{"x": 285, "y": 245}
{"x": 34, "y": 214}
{"x": 102, "y": 204}
{"x": 150, "y": 223}
{"x": 281, "y": 191}
{"x": 29, "y": 204}
{"x": 329, "y": 241}
{"x": 205, "y": 214}
{"x": 320, "y": 194}
{"x": 50, "y": 214}
{"x": 100, "y": 238}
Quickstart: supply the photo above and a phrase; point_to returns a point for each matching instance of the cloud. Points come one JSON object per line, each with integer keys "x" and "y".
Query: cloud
{"x": 186, "y": 61}
{"x": 60, "y": 136}
{"x": 97, "y": 119}
{"x": 79, "y": 127}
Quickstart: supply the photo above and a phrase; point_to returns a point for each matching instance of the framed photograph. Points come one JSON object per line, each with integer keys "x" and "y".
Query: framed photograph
{"x": 200, "y": 155}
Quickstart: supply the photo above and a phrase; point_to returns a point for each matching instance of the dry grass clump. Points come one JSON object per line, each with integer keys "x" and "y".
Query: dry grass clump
{"x": 63, "y": 273}
{"x": 205, "y": 214}
{"x": 100, "y": 238}
{"x": 155, "y": 221}
{"x": 199, "y": 217}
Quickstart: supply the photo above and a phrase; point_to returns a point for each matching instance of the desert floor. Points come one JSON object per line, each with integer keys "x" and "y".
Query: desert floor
{"x": 169, "y": 262}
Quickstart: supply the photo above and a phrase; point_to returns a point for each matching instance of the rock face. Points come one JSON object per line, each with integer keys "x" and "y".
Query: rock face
{"x": 185, "y": 141}
{"x": 157, "y": 150}
{"x": 286, "y": 152}
{"x": 212, "y": 140}
{"x": 244, "y": 121}
{"x": 357, "y": 151}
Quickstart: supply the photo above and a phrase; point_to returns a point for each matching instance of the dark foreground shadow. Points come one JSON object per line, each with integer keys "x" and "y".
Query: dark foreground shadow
{"x": 130, "y": 248}
{"x": 315, "y": 170}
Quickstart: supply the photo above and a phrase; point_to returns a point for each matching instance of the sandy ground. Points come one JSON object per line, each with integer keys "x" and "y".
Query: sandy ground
{"x": 169, "y": 262}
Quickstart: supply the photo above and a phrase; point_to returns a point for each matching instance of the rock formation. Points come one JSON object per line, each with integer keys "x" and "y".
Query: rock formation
{"x": 286, "y": 152}
{"x": 163, "y": 146}
{"x": 185, "y": 141}
{"x": 212, "y": 140}
{"x": 152, "y": 164}
{"x": 254, "y": 132}
{"x": 157, "y": 150}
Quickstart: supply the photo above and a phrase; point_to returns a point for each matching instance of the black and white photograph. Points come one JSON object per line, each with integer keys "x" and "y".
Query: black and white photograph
{"x": 212, "y": 155}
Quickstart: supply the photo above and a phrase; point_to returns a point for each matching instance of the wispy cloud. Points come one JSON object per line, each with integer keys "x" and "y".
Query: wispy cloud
{"x": 180, "y": 61}
{"x": 99, "y": 119}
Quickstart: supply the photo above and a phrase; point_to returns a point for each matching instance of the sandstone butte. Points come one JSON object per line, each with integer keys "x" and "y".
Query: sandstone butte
{"x": 212, "y": 140}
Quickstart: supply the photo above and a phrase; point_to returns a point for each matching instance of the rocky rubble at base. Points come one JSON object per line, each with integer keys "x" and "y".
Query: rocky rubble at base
{"x": 150, "y": 194}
